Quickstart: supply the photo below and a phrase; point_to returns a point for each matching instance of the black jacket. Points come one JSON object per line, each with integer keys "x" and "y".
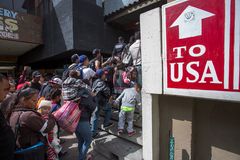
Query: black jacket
{"x": 87, "y": 105}
{"x": 102, "y": 91}
{"x": 118, "y": 48}
{"x": 45, "y": 90}
{"x": 7, "y": 140}
{"x": 36, "y": 85}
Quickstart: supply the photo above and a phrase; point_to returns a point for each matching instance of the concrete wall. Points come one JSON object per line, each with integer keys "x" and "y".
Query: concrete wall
{"x": 90, "y": 30}
{"x": 88, "y": 25}
{"x": 203, "y": 129}
{"x": 57, "y": 31}
{"x": 216, "y": 130}
{"x": 72, "y": 25}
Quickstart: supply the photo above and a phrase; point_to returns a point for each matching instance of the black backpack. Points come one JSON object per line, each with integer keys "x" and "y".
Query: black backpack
{"x": 92, "y": 64}
{"x": 66, "y": 71}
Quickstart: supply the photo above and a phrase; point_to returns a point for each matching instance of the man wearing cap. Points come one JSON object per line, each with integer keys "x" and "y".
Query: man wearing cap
{"x": 103, "y": 94}
{"x": 55, "y": 83}
{"x": 73, "y": 66}
{"x": 75, "y": 61}
{"x": 35, "y": 80}
{"x": 87, "y": 73}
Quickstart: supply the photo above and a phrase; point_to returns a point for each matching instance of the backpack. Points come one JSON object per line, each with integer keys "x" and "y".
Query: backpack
{"x": 118, "y": 48}
{"x": 66, "y": 71}
{"x": 74, "y": 67}
{"x": 80, "y": 69}
{"x": 92, "y": 64}
{"x": 127, "y": 57}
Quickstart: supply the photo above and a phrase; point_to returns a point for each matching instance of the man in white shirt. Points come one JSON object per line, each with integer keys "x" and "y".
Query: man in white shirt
{"x": 135, "y": 51}
{"x": 87, "y": 73}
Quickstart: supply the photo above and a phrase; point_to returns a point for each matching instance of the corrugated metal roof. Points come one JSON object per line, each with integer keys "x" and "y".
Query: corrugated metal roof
{"x": 111, "y": 6}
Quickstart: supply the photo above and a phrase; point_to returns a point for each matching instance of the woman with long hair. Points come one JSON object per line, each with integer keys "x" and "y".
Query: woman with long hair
{"x": 28, "y": 125}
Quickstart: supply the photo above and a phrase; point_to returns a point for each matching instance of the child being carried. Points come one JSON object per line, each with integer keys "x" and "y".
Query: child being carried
{"x": 53, "y": 143}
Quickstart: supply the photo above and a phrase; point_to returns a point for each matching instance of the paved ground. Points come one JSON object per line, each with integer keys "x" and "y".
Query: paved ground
{"x": 71, "y": 146}
{"x": 108, "y": 146}
{"x": 105, "y": 147}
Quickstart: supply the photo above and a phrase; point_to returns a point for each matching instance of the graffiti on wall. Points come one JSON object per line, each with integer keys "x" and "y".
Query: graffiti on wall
{"x": 8, "y": 24}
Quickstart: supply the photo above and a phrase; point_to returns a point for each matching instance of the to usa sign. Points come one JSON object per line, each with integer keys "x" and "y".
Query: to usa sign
{"x": 201, "y": 48}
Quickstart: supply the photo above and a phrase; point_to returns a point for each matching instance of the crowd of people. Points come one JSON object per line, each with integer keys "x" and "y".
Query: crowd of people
{"x": 27, "y": 105}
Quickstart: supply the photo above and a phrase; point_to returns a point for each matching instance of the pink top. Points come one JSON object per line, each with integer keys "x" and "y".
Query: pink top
{"x": 125, "y": 78}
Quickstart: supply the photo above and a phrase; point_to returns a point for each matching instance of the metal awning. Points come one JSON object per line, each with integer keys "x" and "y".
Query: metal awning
{"x": 111, "y": 6}
{"x": 127, "y": 17}
{"x": 7, "y": 67}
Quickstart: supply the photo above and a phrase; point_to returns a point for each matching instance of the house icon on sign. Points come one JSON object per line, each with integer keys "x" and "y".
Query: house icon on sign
{"x": 190, "y": 22}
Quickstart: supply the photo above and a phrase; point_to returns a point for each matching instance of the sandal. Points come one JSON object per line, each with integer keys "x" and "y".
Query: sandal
{"x": 89, "y": 157}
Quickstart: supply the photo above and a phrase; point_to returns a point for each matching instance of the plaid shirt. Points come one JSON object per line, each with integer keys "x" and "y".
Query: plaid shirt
{"x": 73, "y": 88}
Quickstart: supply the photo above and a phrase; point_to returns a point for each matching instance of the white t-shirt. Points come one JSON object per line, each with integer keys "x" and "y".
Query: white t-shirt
{"x": 88, "y": 73}
{"x": 136, "y": 52}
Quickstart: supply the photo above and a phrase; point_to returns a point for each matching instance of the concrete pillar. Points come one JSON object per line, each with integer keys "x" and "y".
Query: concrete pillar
{"x": 150, "y": 26}
{"x": 150, "y": 127}
{"x": 152, "y": 81}
{"x": 161, "y": 114}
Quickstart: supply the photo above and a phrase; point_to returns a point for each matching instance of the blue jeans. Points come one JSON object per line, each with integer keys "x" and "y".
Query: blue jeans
{"x": 139, "y": 77}
{"x": 94, "y": 120}
{"x": 84, "y": 136}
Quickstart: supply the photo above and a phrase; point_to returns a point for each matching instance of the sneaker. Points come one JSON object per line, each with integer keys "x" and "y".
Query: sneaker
{"x": 108, "y": 126}
{"x": 137, "y": 118}
{"x": 130, "y": 134}
{"x": 95, "y": 135}
{"x": 120, "y": 131}
{"x": 62, "y": 153}
{"x": 62, "y": 141}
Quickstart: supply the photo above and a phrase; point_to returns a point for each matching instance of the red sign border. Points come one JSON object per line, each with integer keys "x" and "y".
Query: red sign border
{"x": 206, "y": 94}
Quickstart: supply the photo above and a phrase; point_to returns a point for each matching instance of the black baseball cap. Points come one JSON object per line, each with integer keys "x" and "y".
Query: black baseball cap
{"x": 74, "y": 58}
{"x": 96, "y": 51}
{"x": 36, "y": 74}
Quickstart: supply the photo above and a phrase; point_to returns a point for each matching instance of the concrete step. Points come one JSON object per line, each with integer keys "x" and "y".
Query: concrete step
{"x": 99, "y": 152}
{"x": 137, "y": 138}
{"x": 99, "y": 156}
{"x": 105, "y": 147}
{"x": 120, "y": 149}
{"x": 137, "y": 119}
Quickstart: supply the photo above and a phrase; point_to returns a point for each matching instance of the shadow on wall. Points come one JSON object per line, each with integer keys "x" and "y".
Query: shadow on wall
{"x": 185, "y": 155}
{"x": 171, "y": 109}
{"x": 216, "y": 131}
